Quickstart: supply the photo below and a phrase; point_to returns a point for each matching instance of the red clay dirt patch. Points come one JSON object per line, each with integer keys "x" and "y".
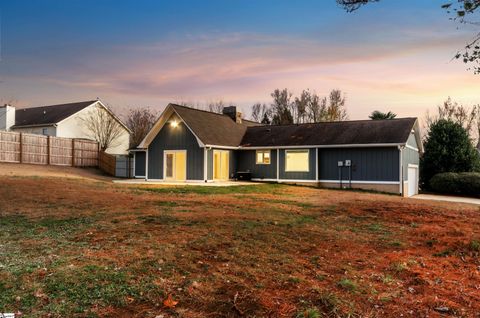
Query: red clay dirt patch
{"x": 94, "y": 248}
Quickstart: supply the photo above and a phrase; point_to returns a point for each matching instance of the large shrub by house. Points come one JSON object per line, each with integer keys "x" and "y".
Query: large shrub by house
{"x": 448, "y": 148}
{"x": 463, "y": 183}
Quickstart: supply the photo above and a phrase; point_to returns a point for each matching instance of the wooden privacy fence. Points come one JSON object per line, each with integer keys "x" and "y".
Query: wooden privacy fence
{"x": 47, "y": 150}
{"x": 115, "y": 165}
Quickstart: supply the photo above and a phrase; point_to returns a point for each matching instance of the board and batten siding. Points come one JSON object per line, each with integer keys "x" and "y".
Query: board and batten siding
{"x": 310, "y": 175}
{"x": 140, "y": 163}
{"x": 247, "y": 162}
{"x": 175, "y": 138}
{"x": 368, "y": 164}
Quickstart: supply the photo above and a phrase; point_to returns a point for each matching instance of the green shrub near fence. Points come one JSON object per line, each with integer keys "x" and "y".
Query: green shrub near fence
{"x": 463, "y": 183}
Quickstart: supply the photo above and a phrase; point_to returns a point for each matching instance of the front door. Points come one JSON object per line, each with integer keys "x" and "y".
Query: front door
{"x": 220, "y": 164}
{"x": 175, "y": 168}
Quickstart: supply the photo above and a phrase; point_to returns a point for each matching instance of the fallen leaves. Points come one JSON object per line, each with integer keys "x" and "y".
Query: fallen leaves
{"x": 169, "y": 302}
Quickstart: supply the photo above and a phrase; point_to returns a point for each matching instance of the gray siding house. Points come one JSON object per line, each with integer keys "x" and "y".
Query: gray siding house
{"x": 190, "y": 145}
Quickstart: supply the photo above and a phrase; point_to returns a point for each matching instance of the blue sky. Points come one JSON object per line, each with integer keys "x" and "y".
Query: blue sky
{"x": 392, "y": 55}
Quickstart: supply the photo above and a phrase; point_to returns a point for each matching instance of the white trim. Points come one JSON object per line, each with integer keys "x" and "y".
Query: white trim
{"x": 205, "y": 165}
{"x": 278, "y": 164}
{"x": 146, "y": 166}
{"x": 160, "y": 123}
{"x": 323, "y": 146}
{"x": 324, "y": 181}
{"x": 139, "y": 177}
{"x": 297, "y": 150}
{"x": 411, "y": 165}
{"x": 400, "y": 171}
{"x": 316, "y": 164}
{"x": 165, "y": 152}
{"x": 223, "y": 147}
{"x": 263, "y": 151}
{"x": 308, "y": 146}
{"x": 411, "y": 147}
{"x": 361, "y": 182}
{"x": 134, "y": 155}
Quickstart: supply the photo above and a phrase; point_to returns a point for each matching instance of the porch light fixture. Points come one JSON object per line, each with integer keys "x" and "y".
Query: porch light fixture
{"x": 174, "y": 124}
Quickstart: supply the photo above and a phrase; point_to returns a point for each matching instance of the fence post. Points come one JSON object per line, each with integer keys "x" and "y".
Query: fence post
{"x": 48, "y": 150}
{"x": 21, "y": 148}
{"x": 73, "y": 152}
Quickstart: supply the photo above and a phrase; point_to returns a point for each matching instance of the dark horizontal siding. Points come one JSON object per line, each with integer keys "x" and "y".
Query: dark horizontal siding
{"x": 368, "y": 164}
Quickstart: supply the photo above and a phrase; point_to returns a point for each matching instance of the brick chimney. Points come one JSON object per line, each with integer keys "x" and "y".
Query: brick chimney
{"x": 231, "y": 111}
{"x": 7, "y": 117}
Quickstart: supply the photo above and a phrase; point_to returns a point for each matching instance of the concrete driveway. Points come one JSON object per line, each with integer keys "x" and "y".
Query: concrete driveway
{"x": 447, "y": 198}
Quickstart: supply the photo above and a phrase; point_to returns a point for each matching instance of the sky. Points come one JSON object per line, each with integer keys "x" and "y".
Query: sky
{"x": 391, "y": 56}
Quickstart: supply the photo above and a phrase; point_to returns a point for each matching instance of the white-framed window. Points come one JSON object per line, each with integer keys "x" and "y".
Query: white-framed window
{"x": 263, "y": 157}
{"x": 45, "y": 131}
{"x": 297, "y": 160}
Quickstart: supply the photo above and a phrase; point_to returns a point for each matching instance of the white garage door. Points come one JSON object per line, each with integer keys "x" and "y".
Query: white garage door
{"x": 412, "y": 181}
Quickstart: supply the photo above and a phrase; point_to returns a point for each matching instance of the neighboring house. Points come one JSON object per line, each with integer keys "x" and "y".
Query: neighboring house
{"x": 187, "y": 144}
{"x": 64, "y": 120}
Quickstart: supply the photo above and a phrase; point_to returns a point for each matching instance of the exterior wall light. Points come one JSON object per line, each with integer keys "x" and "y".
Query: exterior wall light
{"x": 174, "y": 124}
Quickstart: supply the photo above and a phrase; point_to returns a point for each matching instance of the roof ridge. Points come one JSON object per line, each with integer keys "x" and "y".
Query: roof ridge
{"x": 64, "y": 104}
{"x": 338, "y": 122}
{"x": 200, "y": 110}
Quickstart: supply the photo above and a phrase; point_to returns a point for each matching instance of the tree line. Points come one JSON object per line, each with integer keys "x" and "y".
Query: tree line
{"x": 308, "y": 107}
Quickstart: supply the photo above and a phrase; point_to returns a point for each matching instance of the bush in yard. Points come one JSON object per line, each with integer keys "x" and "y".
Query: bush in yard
{"x": 465, "y": 183}
{"x": 448, "y": 148}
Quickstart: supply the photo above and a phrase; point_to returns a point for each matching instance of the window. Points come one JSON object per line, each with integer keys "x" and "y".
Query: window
{"x": 263, "y": 157}
{"x": 296, "y": 160}
{"x": 45, "y": 131}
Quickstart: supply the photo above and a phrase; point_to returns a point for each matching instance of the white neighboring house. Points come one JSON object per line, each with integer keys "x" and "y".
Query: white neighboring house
{"x": 63, "y": 120}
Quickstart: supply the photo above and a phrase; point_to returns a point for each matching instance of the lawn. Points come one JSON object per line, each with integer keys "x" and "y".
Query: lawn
{"x": 86, "y": 248}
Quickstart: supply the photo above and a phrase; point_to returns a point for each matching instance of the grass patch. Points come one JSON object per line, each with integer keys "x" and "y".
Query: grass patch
{"x": 243, "y": 189}
{"x": 474, "y": 246}
{"x": 160, "y": 219}
{"x": 348, "y": 284}
{"x": 444, "y": 253}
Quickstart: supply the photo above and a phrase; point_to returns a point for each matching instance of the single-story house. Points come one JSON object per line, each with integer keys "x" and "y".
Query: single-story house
{"x": 187, "y": 144}
{"x": 63, "y": 120}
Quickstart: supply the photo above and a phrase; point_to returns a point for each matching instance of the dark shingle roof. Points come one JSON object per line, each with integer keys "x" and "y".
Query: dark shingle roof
{"x": 47, "y": 115}
{"x": 213, "y": 128}
{"x": 393, "y": 131}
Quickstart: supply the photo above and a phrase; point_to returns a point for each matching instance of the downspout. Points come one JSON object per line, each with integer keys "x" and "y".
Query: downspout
{"x": 400, "y": 174}
{"x": 278, "y": 165}
{"x": 146, "y": 165}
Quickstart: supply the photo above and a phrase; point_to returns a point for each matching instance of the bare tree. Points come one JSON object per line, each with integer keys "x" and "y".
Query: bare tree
{"x": 453, "y": 111}
{"x": 140, "y": 121}
{"x": 261, "y": 113}
{"x": 281, "y": 107}
{"x": 216, "y": 106}
{"x": 301, "y": 104}
{"x": 104, "y": 127}
{"x": 336, "y": 110}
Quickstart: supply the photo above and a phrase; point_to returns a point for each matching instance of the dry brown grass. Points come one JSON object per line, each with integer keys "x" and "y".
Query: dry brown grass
{"x": 77, "y": 247}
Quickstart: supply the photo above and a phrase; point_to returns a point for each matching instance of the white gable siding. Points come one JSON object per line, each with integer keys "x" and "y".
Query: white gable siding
{"x": 39, "y": 130}
{"x": 74, "y": 127}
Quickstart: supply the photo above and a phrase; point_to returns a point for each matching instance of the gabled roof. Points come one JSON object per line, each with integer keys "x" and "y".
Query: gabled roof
{"x": 48, "y": 115}
{"x": 210, "y": 129}
{"x": 359, "y": 132}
